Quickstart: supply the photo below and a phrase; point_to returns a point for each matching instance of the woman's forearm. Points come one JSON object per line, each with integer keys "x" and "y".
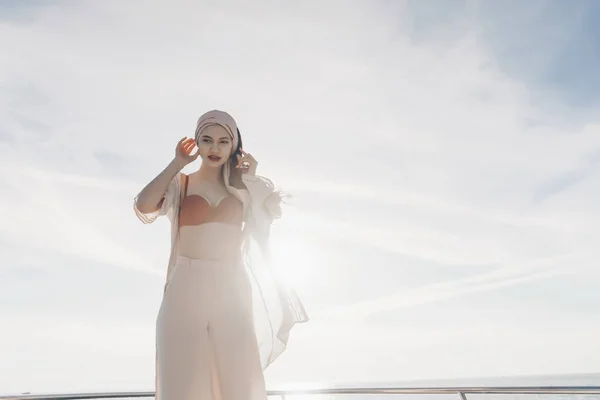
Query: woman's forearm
{"x": 151, "y": 196}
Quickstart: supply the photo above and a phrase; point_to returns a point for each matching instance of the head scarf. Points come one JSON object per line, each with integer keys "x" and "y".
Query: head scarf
{"x": 216, "y": 117}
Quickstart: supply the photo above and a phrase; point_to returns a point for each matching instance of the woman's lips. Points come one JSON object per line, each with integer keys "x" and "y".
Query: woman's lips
{"x": 214, "y": 158}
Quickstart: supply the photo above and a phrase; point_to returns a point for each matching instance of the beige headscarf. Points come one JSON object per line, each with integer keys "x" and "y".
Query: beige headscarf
{"x": 216, "y": 117}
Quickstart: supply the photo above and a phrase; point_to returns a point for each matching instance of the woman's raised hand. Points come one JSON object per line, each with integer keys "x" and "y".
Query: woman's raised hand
{"x": 183, "y": 151}
{"x": 246, "y": 163}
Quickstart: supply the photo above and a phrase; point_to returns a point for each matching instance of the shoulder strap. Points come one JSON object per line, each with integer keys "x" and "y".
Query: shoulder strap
{"x": 183, "y": 192}
{"x": 185, "y": 185}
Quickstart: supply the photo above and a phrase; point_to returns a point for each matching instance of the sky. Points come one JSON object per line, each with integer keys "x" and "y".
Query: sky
{"x": 442, "y": 158}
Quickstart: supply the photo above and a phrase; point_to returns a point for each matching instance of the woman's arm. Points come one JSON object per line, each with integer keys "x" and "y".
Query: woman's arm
{"x": 149, "y": 200}
{"x": 152, "y": 195}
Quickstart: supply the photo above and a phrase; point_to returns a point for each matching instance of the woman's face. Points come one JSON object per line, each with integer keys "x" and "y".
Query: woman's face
{"x": 215, "y": 146}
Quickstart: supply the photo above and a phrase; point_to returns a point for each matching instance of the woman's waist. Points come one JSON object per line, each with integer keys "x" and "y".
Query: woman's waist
{"x": 214, "y": 242}
{"x": 232, "y": 260}
{"x": 229, "y": 253}
{"x": 219, "y": 231}
{"x": 214, "y": 232}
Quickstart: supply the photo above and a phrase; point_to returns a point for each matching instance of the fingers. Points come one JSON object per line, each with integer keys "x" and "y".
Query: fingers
{"x": 185, "y": 139}
{"x": 240, "y": 160}
{"x": 244, "y": 163}
{"x": 187, "y": 147}
{"x": 184, "y": 142}
{"x": 247, "y": 155}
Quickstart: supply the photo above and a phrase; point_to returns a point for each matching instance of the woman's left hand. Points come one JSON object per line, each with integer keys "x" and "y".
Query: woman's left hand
{"x": 247, "y": 163}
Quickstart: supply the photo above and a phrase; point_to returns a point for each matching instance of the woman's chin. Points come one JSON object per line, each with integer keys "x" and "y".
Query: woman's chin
{"x": 213, "y": 164}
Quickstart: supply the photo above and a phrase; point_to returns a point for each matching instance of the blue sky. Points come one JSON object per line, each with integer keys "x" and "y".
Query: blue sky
{"x": 550, "y": 45}
{"x": 442, "y": 156}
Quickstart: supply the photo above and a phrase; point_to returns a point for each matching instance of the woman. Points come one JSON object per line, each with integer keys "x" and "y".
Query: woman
{"x": 224, "y": 317}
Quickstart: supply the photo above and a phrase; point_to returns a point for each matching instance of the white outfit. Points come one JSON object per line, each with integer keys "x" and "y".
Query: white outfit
{"x": 206, "y": 344}
{"x": 221, "y": 321}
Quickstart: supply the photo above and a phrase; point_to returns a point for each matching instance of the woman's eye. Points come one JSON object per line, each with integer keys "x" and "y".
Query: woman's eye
{"x": 206, "y": 140}
{"x": 224, "y": 142}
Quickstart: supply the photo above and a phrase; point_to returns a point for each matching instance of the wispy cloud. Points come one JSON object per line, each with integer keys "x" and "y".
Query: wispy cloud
{"x": 501, "y": 277}
{"x": 68, "y": 214}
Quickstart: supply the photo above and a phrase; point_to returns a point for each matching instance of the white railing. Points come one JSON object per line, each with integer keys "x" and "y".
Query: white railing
{"x": 461, "y": 392}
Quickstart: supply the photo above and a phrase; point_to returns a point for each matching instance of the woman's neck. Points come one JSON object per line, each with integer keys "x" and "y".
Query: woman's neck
{"x": 210, "y": 174}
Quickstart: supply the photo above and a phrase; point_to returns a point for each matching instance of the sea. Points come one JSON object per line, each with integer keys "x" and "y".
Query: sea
{"x": 518, "y": 381}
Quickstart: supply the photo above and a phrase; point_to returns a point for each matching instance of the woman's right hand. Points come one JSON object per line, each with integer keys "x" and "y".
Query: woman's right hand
{"x": 183, "y": 152}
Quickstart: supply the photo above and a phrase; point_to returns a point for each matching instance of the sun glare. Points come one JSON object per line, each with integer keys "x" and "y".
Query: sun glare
{"x": 296, "y": 259}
